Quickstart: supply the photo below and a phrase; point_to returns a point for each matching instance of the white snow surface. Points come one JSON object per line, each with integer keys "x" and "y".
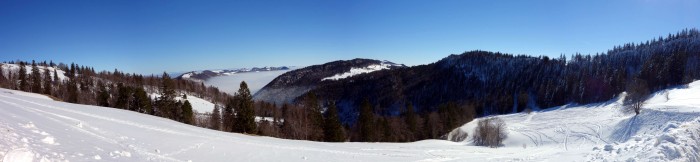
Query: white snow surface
{"x": 358, "y": 71}
{"x": 667, "y": 130}
{"x": 198, "y": 104}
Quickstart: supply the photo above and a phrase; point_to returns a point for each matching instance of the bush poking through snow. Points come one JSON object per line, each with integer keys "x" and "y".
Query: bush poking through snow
{"x": 489, "y": 132}
{"x": 637, "y": 92}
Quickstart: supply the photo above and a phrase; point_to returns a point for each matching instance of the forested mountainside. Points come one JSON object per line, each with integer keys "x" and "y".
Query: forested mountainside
{"x": 154, "y": 95}
{"x": 498, "y": 83}
{"x": 293, "y": 84}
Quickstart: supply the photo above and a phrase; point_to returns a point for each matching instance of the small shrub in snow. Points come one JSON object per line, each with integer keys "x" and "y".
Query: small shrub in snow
{"x": 490, "y": 132}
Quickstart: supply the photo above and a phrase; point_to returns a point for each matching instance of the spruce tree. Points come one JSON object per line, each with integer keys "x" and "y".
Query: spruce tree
{"x": 228, "y": 118}
{"x": 215, "y": 120}
{"x": 333, "y": 129}
{"x": 411, "y": 120}
{"x": 366, "y": 122}
{"x": 47, "y": 82}
{"x": 187, "y": 113}
{"x": 314, "y": 114}
{"x": 245, "y": 114}
{"x": 123, "y": 97}
{"x": 22, "y": 74}
{"x": 166, "y": 101}
{"x": 102, "y": 95}
{"x": 55, "y": 77}
{"x": 36, "y": 78}
{"x": 141, "y": 102}
{"x": 2, "y": 76}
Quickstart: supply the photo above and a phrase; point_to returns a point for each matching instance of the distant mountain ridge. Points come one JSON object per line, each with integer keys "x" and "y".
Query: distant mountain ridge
{"x": 203, "y": 75}
{"x": 292, "y": 84}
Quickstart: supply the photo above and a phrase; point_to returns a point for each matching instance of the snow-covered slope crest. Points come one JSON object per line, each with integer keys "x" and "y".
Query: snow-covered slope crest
{"x": 356, "y": 71}
{"x": 668, "y": 129}
{"x": 14, "y": 68}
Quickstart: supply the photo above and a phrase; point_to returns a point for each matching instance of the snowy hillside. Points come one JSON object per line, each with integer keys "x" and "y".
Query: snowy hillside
{"x": 198, "y": 104}
{"x": 356, "y": 71}
{"x": 668, "y": 129}
{"x": 37, "y": 128}
{"x": 14, "y": 68}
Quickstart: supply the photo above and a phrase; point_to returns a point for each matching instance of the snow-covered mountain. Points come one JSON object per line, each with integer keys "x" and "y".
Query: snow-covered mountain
{"x": 204, "y": 75}
{"x": 290, "y": 85}
{"x": 36, "y": 128}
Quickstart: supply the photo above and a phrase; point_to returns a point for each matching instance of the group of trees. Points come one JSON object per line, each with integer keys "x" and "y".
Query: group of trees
{"x": 116, "y": 89}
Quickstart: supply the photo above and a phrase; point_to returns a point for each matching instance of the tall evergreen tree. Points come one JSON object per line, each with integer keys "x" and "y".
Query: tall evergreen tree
{"x": 245, "y": 114}
{"x": 2, "y": 76}
{"x": 166, "y": 101}
{"x": 36, "y": 78}
{"x": 228, "y": 118}
{"x": 314, "y": 114}
{"x": 366, "y": 122}
{"x": 333, "y": 129}
{"x": 187, "y": 113}
{"x": 141, "y": 102}
{"x": 411, "y": 120}
{"x": 22, "y": 76}
{"x": 215, "y": 120}
{"x": 102, "y": 95}
{"x": 47, "y": 82}
{"x": 55, "y": 77}
{"x": 123, "y": 96}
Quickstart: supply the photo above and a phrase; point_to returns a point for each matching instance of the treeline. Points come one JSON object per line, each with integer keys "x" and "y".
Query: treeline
{"x": 82, "y": 85}
{"x": 317, "y": 119}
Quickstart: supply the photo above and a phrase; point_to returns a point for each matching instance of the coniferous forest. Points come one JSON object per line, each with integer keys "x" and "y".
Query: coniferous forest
{"x": 397, "y": 105}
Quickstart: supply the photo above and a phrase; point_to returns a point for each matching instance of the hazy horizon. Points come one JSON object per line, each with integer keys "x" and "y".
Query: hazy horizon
{"x": 149, "y": 37}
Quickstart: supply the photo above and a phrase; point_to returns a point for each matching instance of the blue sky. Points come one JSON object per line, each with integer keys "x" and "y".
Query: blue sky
{"x": 152, "y": 36}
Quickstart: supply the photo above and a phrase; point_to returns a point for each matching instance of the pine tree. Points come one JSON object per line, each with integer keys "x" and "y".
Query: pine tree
{"x": 166, "y": 101}
{"x": 187, "y": 113}
{"x": 47, "y": 82}
{"x": 123, "y": 97}
{"x": 36, "y": 78}
{"x": 103, "y": 95}
{"x": 314, "y": 114}
{"x": 411, "y": 121}
{"x": 215, "y": 120}
{"x": 2, "y": 76}
{"x": 228, "y": 118}
{"x": 141, "y": 102}
{"x": 245, "y": 114}
{"x": 55, "y": 77}
{"x": 366, "y": 122}
{"x": 22, "y": 74}
{"x": 333, "y": 129}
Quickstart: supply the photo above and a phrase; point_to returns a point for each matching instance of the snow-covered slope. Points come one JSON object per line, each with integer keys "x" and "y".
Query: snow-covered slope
{"x": 668, "y": 129}
{"x": 14, "y": 68}
{"x": 356, "y": 71}
{"x": 198, "y": 104}
{"x": 36, "y": 128}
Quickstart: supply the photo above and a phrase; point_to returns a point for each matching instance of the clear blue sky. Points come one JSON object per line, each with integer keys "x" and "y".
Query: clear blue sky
{"x": 151, "y": 36}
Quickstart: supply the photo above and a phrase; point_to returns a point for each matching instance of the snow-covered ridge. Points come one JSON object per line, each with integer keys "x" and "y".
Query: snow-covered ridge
{"x": 356, "y": 71}
{"x": 14, "y": 68}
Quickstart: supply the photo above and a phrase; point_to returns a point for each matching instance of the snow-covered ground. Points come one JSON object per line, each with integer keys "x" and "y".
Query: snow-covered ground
{"x": 198, "y": 104}
{"x": 36, "y": 128}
